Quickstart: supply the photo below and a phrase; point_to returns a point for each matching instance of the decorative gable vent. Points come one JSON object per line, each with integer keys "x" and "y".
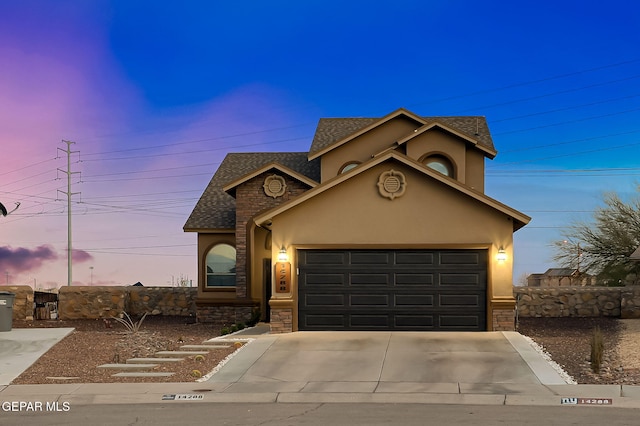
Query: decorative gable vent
{"x": 274, "y": 186}
{"x": 392, "y": 184}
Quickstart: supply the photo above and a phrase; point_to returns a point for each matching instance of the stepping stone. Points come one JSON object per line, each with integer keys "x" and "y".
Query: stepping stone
{"x": 151, "y": 360}
{"x": 214, "y": 345}
{"x": 128, "y": 366}
{"x": 200, "y": 347}
{"x": 171, "y": 354}
{"x": 141, "y": 374}
{"x": 228, "y": 341}
{"x": 63, "y": 378}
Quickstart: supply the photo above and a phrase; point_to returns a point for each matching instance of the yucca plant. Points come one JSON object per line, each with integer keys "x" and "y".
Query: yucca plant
{"x": 132, "y": 326}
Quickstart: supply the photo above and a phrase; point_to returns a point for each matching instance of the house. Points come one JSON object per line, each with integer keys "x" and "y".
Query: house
{"x": 382, "y": 225}
{"x": 561, "y": 277}
{"x": 635, "y": 256}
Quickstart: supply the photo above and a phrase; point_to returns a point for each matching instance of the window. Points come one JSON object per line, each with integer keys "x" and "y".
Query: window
{"x": 221, "y": 266}
{"x": 348, "y": 166}
{"x": 440, "y": 164}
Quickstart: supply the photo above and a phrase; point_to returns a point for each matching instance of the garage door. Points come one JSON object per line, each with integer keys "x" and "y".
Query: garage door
{"x": 392, "y": 290}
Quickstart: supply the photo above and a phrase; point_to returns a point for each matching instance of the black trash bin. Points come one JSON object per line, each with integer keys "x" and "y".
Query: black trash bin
{"x": 6, "y": 310}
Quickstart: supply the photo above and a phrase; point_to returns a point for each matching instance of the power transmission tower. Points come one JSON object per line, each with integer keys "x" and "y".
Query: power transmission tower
{"x": 68, "y": 193}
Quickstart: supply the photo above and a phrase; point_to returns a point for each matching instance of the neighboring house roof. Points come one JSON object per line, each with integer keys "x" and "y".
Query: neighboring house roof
{"x": 216, "y": 208}
{"x": 560, "y": 272}
{"x": 333, "y": 132}
{"x": 636, "y": 255}
{"x": 519, "y": 219}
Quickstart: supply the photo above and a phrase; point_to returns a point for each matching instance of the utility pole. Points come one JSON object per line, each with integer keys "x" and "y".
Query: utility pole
{"x": 69, "y": 173}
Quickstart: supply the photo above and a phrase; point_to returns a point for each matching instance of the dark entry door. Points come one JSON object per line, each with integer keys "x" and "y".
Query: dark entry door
{"x": 392, "y": 290}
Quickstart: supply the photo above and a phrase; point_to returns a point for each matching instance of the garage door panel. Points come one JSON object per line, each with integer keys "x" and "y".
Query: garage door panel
{"x": 414, "y": 258}
{"x": 414, "y": 321}
{"x": 323, "y": 322}
{"x": 466, "y": 322}
{"x": 453, "y": 279}
{"x": 369, "y": 321}
{"x": 325, "y": 258}
{"x": 459, "y": 300}
{"x": 414, "y": 300}
{"x": 370, "y": 258}
{"x": 325, "y": 300}
{"x": 369, "y": 300}
{"x": 460, "y": 258}
{"x": 319, "y": 279}
{"x": 414, "y": 279}
{"x": 370, "y": 279}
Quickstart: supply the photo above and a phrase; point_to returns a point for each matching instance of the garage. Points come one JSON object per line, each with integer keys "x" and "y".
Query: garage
{"x": 397, "y": 289}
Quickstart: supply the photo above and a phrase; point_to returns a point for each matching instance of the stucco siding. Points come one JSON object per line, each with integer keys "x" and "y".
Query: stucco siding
{"x": 429, "y": 214}
{"x": 364, "y": 146}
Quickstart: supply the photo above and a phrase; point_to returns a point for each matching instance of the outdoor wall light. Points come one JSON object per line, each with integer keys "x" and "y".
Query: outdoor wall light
{"x": 282, "y": 255}
{"x": 502, "y": 255}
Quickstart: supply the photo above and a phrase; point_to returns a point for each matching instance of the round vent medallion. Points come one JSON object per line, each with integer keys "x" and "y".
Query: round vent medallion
{"x": 274, "y": 186}
{"x": 392, "y": 184}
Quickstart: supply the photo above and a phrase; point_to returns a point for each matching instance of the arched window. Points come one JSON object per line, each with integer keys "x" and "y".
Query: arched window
{"x": 439, "y": 163}
{"x": 221, "y": 266}
{"x": 348, "y": 166}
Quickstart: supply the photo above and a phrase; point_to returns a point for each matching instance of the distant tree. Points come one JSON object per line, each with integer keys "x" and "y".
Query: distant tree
{"x": 603, "y": 245}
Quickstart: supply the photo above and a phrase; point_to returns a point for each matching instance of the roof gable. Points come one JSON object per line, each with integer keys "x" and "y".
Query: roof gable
{"x": 332, "y": 133}
{"x": 519, "y": 219}
{"x": 230, "y": 188}
{"x": 337, "y": 132}
{"x": 437, "y": 123}
{"x": 216, "y": 208}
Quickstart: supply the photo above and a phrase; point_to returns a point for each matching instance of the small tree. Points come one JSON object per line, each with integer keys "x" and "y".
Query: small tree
{"x": 604, "y": 245}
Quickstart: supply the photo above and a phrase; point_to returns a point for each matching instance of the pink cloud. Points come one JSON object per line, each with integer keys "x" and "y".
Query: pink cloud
{"x": 20, "y": 260}
{"x": 78, "y": 256}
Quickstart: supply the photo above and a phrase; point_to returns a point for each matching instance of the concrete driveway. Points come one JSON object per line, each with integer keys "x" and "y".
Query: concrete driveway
{"x": 385, "y": 362}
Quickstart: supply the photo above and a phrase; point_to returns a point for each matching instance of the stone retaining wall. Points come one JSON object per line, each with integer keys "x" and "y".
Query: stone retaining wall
{"x": 623, "y": 302}
{"x": 109, "y": 301}
{"x": 23, "y": 301}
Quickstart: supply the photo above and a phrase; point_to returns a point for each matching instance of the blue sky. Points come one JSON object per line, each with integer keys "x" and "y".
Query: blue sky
{"x": 155, "y": 94}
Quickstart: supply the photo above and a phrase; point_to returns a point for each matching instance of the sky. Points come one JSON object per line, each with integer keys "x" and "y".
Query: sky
{"x": 153, "y": 94}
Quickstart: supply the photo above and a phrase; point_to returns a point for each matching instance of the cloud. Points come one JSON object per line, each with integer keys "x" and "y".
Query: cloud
{"x": 80, "y": 256}
{"x": 21, "y": 259}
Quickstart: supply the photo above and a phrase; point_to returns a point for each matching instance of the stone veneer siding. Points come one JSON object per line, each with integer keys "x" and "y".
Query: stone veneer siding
{"x": 503, "y": 320}
{"x": 224, "y": 315}
{"x": 281, "y": 320}
{"x": 251, "y": 199}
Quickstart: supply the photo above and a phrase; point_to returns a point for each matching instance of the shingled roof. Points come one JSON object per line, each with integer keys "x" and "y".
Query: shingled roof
{"x": 216, "y": 209}
{"x": 332, "y": 130}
